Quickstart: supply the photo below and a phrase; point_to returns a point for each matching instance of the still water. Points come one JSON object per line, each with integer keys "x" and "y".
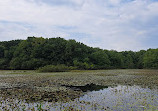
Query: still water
{"x": 116, "y": 98}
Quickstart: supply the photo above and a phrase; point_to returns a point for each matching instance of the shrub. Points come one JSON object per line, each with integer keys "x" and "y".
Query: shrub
{"x": 83, "y": 65}
{"x": 55, "y": 68}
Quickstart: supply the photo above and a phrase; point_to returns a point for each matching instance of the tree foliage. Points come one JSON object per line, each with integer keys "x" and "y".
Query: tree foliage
{"x": 151, "y": 59}
{"x": 34, "y": 52}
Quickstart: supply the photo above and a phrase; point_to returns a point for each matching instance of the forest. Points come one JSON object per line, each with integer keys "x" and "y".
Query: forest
{"x": 36, "y": 52}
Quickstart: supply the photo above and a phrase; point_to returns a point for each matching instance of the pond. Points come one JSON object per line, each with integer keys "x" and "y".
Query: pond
{"x": 123, "y": 98}
{"x": 86, "y": 88}
{"x": 96, "y": 97}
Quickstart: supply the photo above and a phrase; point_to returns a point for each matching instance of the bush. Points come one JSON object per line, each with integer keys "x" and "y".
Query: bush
{"x": 83, "y": 65}
{"x": 55, "y": 68}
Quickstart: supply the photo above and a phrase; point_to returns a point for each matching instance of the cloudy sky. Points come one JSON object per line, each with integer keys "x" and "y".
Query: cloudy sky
{"x": 108, "y": 24}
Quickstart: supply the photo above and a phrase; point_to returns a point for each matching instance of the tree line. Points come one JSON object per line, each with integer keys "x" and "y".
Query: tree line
{"x": 34, "y": 52}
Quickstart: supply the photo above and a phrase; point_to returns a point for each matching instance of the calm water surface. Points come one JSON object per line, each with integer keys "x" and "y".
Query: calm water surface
{"x": 110, "y": 98}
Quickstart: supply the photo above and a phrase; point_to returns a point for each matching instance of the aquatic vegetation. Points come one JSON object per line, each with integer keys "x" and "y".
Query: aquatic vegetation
{"x": 117, "y": 98}
{"x": 79, "y": 90}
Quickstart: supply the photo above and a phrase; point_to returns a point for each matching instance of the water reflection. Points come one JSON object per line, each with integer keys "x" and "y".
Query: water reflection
{"x": 124, "y": 98}
{"x": 87, "y": 88}
{"x": 117, "y": 98}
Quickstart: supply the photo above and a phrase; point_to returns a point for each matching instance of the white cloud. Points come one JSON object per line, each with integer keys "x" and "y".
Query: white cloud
{"x": 110, "y": 24}
{"x": 114, "y": 2}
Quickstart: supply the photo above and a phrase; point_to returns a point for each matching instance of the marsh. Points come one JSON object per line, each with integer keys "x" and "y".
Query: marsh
{"x": 135, "y": 89}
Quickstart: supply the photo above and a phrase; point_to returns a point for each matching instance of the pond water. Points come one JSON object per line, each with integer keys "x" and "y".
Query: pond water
{"x": 123, "y": 98}
{"x": 88, "y": 87}
{"x": 107, "y": 98}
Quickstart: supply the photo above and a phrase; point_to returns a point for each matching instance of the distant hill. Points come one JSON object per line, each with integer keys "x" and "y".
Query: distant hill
{"x": 34, "y": 52}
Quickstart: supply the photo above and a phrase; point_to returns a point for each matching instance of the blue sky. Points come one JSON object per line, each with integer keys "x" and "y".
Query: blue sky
{"x": 108, "y": 24}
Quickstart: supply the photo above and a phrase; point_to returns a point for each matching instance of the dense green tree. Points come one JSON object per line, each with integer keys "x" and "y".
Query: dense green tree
{"x": 116, "y": 59}
{"x": 150, "y": 59}
{"x": 2, "y": 49}
{"x": 34, "y": 52}
{"x": 100, "y": 59}
{"x": 139, "y": 58}
{"x": 128, "y": 59}
{"x": 3, "y": 63}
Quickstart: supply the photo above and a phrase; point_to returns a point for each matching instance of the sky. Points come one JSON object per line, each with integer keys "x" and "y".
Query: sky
{"x": 108, "y": 24}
